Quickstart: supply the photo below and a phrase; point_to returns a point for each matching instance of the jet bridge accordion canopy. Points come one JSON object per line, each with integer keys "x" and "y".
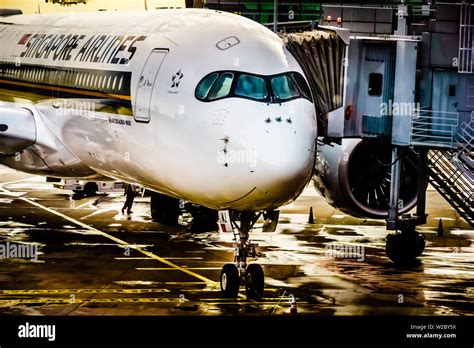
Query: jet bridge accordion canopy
{"x": 321, "y": 55}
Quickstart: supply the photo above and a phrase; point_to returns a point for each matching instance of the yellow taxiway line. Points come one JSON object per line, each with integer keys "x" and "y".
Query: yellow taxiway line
{"x": 119, "y": 241}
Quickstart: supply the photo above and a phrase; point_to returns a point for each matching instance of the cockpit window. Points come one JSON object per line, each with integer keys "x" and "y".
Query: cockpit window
{"x": 302, "y": 85}
{"x": 284, "y": 88}
{"x": 205, "y": 85}
{"x": 222, "y": 87}
{"x": 253, "y": 87}
{"x": 269, "y": 89}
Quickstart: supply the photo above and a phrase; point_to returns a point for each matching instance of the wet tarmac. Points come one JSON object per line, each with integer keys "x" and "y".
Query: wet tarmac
{"x": 95, "y": 261}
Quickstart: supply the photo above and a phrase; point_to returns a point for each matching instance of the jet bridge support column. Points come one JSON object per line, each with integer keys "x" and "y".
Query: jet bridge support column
{"x": 406, "y": 244}
{"x": 394, "y": 191}
{"x": 422, "y": 185}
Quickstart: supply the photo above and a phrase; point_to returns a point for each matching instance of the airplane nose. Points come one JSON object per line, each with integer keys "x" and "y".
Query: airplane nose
{"x": 284, "y": 159}
{"x": 283, "y": 163}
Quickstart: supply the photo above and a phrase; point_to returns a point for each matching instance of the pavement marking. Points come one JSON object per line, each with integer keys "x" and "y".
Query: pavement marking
{"x": 173, "y": 269}
{"x": 94, "y": 300}
{"x": 90, "y": 202}
{"x": 262, "y": 302}
{"x": 183, "y": 258}
{"x": 132, "y": 258}
{"x": 166, "y": 258}
{"x": 115, "y": 239}
{"x": 80, "y": 291}
{"x": 185, "y": 283}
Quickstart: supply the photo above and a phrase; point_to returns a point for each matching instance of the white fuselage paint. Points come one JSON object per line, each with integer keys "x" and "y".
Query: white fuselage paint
{"x": 178, "y": 152}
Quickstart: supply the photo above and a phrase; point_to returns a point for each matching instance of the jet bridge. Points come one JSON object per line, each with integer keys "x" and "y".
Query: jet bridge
{"x": 322, "y": 55}
{"x": 411, "y": 94}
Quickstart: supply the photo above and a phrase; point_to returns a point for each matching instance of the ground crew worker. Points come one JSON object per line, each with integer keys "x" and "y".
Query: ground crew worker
{"x": 130, "y": 196}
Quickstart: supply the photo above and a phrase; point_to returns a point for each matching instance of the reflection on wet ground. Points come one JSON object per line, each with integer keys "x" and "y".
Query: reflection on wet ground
{"x": 94, "y": 261}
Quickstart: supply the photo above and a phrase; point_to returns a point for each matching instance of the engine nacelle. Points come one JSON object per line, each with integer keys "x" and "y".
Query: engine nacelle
{"x": 355, "y": 178}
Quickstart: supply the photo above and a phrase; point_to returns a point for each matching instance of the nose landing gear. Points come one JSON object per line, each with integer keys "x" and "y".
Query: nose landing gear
{"x": 240, "y": 273}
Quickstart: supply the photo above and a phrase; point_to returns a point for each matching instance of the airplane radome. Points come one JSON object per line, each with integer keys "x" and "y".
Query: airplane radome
{"x": 198, "y": 105}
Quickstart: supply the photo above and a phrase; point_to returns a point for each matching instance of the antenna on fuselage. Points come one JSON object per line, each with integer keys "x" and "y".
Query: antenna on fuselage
{"x": 39, "y": 8}
{"x": 146, "y": 6}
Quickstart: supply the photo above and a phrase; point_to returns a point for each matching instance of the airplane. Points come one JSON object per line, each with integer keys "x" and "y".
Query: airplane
{"x": 196, "y": 105}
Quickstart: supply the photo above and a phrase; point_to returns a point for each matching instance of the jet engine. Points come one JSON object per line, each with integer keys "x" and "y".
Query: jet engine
{"x": 354, "y": 177}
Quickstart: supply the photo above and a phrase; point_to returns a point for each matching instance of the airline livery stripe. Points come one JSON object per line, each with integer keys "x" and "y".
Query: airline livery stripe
{"x": 66, "y": 90}
{"x": 66, "y": 80}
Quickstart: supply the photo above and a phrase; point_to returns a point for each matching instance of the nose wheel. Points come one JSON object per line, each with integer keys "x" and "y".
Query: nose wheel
{"x": 253, "y": 278}
{"x": 233, "y": 275}
{"x": 230, "y": 281}
{"x": 255, "y": 282}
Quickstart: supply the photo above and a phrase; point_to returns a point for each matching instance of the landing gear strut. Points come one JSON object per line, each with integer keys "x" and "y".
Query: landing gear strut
{"x": 240, "y": 273}
{"x": 405, "y": 245}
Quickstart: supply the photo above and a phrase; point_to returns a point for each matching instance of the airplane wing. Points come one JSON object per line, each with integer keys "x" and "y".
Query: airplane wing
{"x": 17, "y": 130}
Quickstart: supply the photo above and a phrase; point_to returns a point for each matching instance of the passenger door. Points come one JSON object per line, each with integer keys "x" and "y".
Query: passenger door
{"x": 146, "y": 83}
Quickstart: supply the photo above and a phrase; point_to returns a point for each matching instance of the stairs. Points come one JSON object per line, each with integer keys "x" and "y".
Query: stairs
{"x": 452, "y": 172}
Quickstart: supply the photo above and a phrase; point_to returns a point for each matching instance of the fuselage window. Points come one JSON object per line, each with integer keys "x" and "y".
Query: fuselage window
{"x": 76, "y": 79}
{"x": 94, "y": 83}
{"x": 99, "y": 82}
{"x": 68, "y": 78}
{"x": 114, "y": 83}
{"x": 222, "y": 86}
{"x": 120, "y": 83}
{"x": 253, "y": 87}
{"x": 205, "y": 85}
{"x": 87, "y": 81}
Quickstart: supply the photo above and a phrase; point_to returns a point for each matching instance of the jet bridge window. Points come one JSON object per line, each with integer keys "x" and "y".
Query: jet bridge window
{"x": 375, "y": 84}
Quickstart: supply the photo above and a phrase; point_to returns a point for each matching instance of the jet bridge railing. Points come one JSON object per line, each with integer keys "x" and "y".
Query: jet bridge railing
{"x": 432, "y": 128}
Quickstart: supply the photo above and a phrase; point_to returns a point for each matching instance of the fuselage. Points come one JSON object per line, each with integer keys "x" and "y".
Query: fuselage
{"x": 197, "y": 104}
